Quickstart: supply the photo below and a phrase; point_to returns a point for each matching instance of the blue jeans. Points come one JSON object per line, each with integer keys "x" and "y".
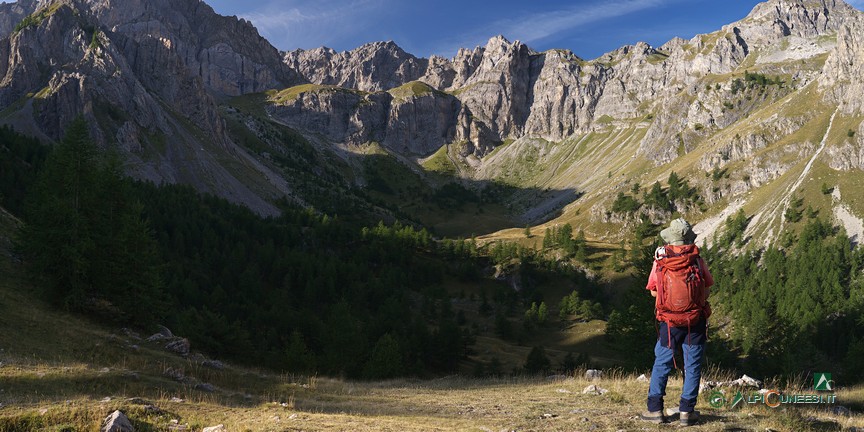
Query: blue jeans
{"x": 663, "y": 363}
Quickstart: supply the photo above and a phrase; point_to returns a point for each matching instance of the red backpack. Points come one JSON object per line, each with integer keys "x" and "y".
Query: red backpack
{"x": 681, "y": 295}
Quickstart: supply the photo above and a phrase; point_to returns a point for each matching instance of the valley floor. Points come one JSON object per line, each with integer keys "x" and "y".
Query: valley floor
{"x": 59, "y": 372}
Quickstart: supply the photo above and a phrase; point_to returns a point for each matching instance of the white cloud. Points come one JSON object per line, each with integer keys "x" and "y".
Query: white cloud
{"x": 538, "y": 26}
{"x": 311, "y": 24}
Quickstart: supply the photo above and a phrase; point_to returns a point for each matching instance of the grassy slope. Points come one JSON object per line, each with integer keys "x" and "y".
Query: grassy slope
{"x": 60, "y": 372}
{"x": 606, "y": 161}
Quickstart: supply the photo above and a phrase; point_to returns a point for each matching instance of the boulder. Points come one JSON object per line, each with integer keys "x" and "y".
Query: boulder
{"x": 179, "y": 346}
{"x": 213, "y": 364}
{"x": 117, "y": 422}
{"x": 594, "y": 389}
{"x": 593, "y": 374}
{"x": 217, "y": 428}
{"x": 164, "y": 331}
{"x": 746, "y": 381}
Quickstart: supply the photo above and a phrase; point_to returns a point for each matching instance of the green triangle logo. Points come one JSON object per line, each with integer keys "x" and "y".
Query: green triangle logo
{"x": 822, "y": 381}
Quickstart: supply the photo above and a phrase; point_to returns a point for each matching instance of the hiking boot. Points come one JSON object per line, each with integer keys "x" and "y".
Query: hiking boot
{"x": 670, "y": 413}
{"x": 689, "y": 418}
{"x": 653, "y": 416}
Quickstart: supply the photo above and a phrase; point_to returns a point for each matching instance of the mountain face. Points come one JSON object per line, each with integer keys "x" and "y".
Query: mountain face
{"x": 731, "y": 100}
{"x": 197, "y": 98}
{"x": 516, "y": 92}
{"x": 145, "y": 73}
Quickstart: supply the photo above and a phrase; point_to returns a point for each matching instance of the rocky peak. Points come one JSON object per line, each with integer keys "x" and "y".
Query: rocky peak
{"x": 227, "y": 53}
{"x": 374, "y": 66}
{"x": 775, "y": 19}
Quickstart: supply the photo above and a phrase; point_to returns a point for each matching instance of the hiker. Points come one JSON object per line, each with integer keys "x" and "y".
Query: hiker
{"x": 680, "y": 281}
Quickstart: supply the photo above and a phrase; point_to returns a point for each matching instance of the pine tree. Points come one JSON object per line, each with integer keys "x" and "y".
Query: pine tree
{"x": 58, "y": 238}
{"x": 542, "y": 313}
{"x": 85, "y": 237}
{"x": 386, "y": 360}
{"x": 537, "y": 362}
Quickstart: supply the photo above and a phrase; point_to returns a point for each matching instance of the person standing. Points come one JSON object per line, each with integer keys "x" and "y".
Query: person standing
{"x": 680, "y": 281}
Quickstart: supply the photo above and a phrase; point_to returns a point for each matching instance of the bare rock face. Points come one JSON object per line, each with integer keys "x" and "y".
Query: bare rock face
{"x": 843, "y": 74}
{"x": 850, "y": 154}
{"x": 140, "y": 73}
{"x": 507, "y": 91}
{"x": 226, "y": 53}
{"x": 422, "y": 121}
{"x": 498, "y": 91}
{"x": 372, "y": 67}
{"x": 773, "y": 20}
{"x": 413, "y": 120}
{"x": 101, "y": 82}
{"x": 12, "y": 13}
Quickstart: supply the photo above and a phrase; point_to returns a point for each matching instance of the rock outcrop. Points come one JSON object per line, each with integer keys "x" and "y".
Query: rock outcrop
{"x": 117, "y": 422}
{"x": 413, "y": 119}
{"x": 508, "y": 91}
{"x": 146, "y": 76}
{"x": 372, "y": 67}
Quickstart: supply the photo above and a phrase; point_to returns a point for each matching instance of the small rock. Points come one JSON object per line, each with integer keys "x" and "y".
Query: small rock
{"x": 117, "y": 422}
{"x": 175, "y": 374}
{"x": 563, "y": 391}
{"x": 104, "y": 370}
{"x": 217, "y": 428}
{"x": 593, "y": 374}
{"x": 130, "y": 333}
{"x": 642, "y": 378}
{"x": 205, "y": 387}
{"x": 593, "y": 389}
{"x": 106, "y": 399}
{"x": 164, "y": 331}
{"x": 179, "y": 346}
{"x": 292, "y": 416}
{"x": 43, "y": 411}
{"x": 152, "y": 409}
{"x": 156, "y": 338}
{"x": 177, "y": 400}
{"x": 213, "y": 364}
{"x": 548, "y": 416}
{"x": 841, "y": 410}
{"x": 747, "y": 381}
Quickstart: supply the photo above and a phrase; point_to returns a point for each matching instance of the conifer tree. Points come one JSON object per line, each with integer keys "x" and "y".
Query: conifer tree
{"x": 85, "y": 238}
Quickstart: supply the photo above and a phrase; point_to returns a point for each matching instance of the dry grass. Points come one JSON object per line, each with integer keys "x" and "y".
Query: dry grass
{"x": 62, "y": 373}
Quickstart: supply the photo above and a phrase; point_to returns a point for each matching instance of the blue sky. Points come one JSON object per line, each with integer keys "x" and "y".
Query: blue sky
{"x": 587, "y": 27}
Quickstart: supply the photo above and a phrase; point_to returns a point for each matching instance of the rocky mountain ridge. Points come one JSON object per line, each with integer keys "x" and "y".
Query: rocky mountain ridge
{"x": 515, "y": 92}
{"x": 141, "y": 73}
{"x": 193, "y": 97}
{"x": 719, "y": 101}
